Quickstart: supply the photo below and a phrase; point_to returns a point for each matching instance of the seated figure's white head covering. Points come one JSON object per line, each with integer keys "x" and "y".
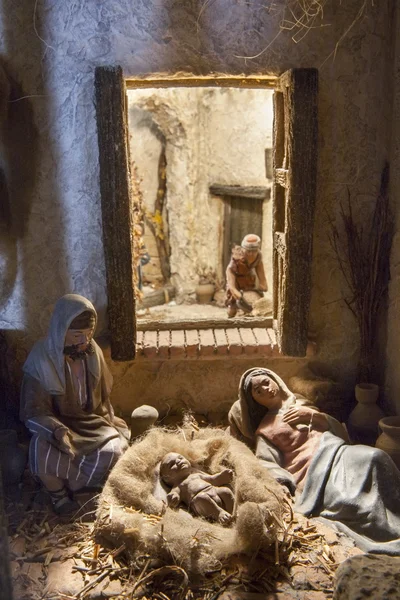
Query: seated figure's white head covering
{"x": 46, "y": 361}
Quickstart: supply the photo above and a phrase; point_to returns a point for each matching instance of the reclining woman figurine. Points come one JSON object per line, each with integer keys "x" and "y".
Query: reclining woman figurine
{"x": 196, "y": 489}
{"x": 357, "y": 487}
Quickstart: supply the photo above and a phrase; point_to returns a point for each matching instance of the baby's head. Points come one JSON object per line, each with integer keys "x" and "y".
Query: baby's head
{"x": 174, "y": 468}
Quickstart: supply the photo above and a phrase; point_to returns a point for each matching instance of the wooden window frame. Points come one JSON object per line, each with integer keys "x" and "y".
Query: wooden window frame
{"x": 293, "y": 196}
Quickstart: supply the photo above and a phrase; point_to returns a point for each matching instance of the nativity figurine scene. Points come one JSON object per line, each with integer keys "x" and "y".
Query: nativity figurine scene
{"x": 196, "y": 496}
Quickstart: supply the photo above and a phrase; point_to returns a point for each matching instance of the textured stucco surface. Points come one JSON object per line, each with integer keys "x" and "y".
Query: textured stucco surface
{"x": 199, "y": 385}
{"x": 212, "y": 136}
{"x": 59, "y": 249}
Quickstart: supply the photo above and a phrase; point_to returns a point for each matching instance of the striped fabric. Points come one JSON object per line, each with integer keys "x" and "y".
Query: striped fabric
{"x": 82, "y": 471}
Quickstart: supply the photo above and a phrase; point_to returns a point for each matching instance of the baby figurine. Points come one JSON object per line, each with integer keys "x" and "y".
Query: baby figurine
{"x": 196, "y": 489}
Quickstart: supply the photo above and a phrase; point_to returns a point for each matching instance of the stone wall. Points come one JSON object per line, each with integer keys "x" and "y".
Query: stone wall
{"x": 55, "y": 245}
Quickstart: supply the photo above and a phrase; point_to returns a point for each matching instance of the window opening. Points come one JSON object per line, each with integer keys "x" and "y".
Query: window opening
{"x": 294, "y": 169}
{"x": 200, "y": 158}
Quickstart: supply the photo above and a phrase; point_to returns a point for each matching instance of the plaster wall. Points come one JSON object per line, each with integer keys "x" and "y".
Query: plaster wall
{"x": 212, "y": 136}
{"x": 208, "y": 387}
{"x": 52, "y": 49}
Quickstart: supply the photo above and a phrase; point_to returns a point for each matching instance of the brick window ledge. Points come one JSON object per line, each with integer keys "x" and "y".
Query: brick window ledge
{"x": 210, "y": 344}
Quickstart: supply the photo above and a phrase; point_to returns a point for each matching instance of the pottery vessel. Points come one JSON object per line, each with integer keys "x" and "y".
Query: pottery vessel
{"x": 13, "y": 458}
{"x": 364, "y": 418}
{"x": 389, "y": 439}
{"x": 205, "y": 292}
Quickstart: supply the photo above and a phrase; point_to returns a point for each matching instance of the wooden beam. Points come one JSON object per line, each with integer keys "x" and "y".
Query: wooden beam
{"x": 243, "y": 191}
{"x": 161, "y": 296}
{"x": 174, "y": 325}
{"x": 116, "y": 209}
{"x": 298, "y": 130}
{"x": 189, "y": 80}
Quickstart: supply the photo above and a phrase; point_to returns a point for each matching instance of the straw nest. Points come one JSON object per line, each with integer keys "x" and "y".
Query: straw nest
{"x": 132, "y": 509}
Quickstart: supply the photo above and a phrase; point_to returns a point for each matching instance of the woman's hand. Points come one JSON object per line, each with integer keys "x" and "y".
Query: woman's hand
{"x": 309, "y": 416}
{"x": 301, "y": 414}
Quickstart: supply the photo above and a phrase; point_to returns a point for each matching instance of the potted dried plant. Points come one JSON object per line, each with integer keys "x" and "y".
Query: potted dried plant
{"x": 363, "y": 255}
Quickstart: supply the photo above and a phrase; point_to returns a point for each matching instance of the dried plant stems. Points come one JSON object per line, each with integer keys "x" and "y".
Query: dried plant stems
{"x": 363, "y": 258}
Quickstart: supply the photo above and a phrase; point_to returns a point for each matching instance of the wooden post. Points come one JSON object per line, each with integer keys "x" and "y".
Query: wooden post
{"x": 116, "y": 205}
{"x": 294, "y": 197}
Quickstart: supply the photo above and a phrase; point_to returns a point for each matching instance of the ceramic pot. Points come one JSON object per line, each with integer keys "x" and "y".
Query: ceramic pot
{"x": 389, "y": 440}
{"x": 205, "y": 292}
{"x": 364, "y": 418}
{"x": 13, "y": 457}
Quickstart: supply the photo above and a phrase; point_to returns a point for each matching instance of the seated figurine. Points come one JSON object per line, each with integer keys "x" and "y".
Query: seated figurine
{"x": 65, "y": 403}
{"x": 196, "y": 489}
{"x": 246, "y": 263}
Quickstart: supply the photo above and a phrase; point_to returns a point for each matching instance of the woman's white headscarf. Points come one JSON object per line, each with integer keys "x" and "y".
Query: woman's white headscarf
{"x": 46, "y": 361}
{"x": 244, "y": 427}
{"x": 240, "y": 418}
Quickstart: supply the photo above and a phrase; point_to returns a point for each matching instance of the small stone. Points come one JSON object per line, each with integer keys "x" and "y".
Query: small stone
{"x": 368, "y": 576}
{"x": 142, "y": 419}
{"x": 26, "y": 580}
{"x": 305, "y": 577}
{"x": 17, "y": 547}
{"x": 106, "y": 589}
{"x": 62, "y": 580}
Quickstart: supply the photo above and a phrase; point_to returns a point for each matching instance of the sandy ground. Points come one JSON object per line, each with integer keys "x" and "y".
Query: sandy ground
{"x": 173, "y": 311}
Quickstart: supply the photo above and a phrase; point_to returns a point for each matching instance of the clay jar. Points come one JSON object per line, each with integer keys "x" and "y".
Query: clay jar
{"x": 205, "y": 292}
{"x": 364, "y": 418}
{"x": 389, "y": 440}
{"x": 13, "y": 458}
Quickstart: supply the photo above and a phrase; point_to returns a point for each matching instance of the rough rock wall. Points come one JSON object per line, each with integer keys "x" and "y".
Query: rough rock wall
{"x": 53, "y": 54}
{"x": 212, "y": 136}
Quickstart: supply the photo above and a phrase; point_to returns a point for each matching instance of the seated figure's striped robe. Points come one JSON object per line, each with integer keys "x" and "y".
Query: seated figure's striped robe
{"x": 61, "y": 396}
{"x": 97, "y": 438}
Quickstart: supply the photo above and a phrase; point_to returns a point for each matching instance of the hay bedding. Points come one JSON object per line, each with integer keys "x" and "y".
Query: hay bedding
{"x": 303, "y": 554}
{"x": 132, "y": 507}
